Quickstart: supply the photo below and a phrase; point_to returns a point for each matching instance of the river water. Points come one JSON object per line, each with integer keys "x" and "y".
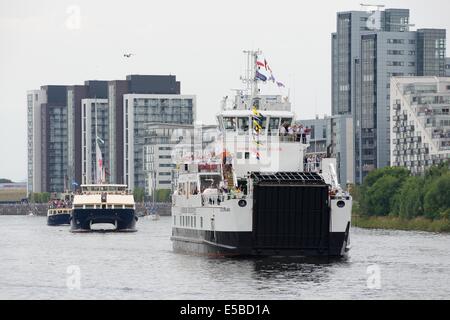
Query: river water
{"x": 41, "y": 262}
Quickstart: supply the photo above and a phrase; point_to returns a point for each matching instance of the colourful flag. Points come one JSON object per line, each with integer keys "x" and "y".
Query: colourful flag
{"x": 260, "y": 76}
{"x": 272, "y": 78}
{"x": 99, "y": 158}
{"x": 259, "y": 63}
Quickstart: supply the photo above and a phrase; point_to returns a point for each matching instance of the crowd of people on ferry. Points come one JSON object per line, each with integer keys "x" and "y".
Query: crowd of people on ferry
{"x": 59, "y": 204}
{"x": 297, "y": 132}
{"x": 313, "y": 162}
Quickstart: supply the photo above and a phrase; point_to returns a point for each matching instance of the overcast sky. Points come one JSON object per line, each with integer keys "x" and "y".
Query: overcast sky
{"x": 201, "y": 42}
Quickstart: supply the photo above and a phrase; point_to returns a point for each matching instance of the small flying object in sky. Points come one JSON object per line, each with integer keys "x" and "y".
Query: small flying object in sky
{"x": 128, "y": 55}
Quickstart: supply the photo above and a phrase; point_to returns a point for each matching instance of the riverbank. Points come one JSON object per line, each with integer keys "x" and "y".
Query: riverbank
{"x": 395, "y": 223}
{"x": 40, "y": 209}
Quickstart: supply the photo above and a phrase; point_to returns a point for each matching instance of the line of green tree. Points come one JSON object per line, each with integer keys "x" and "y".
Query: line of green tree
{"x": 161, "y": 195}
{"x": 3, "y": 180}
{"x": 39, "y": 197}
{"x": 393, "y": 191}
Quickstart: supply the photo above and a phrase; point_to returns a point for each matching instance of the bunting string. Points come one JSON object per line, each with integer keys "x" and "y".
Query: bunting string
{"x": 257, "y": 120}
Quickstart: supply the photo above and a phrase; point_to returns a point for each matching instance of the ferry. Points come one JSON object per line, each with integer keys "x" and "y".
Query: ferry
{"x": 59, "y": 210}
{"x": 255, "y": 195}
{"x": 103, "y": 204}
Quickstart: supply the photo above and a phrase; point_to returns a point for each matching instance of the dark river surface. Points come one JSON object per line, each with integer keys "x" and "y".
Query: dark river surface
{"x": 41, "y": 262}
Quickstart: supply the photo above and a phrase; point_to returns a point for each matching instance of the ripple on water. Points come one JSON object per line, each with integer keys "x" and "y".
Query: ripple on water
{"x": 142, "y": 265}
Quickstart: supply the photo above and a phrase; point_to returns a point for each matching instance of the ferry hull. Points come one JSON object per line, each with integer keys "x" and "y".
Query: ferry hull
{"x": 288, "y": 218}
{"x": 243, "y": 244}
{"x": 123, "y": 219}
{"x": 58, "y": 219}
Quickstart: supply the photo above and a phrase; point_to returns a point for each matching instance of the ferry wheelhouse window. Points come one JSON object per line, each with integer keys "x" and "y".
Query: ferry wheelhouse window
{"x": 181, "y": 189}
{"x": 243, "y": 125}
{"x": 209, "y": 181}
{"x": 286, "y": 121}
{"x": 229, "y": 123}
{"x": 274, "y": 126}
{"x": 193, "y": 189}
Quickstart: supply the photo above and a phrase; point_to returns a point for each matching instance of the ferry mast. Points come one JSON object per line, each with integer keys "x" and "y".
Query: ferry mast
{"x": 250, "y": 78}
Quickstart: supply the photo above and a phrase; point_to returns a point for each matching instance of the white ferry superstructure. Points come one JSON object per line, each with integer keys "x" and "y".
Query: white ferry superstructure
{"x": 254, "y": 197}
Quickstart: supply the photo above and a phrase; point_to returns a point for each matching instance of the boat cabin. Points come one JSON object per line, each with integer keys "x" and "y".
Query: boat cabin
{"x": 104, "y": 188}
{"x": 241, "y": 122}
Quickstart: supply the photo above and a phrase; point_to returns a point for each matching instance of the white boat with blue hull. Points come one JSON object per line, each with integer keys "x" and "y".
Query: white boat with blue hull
{"x": 257, "y": 196}
{"x": 58, "y": 216}
{"x": 59, "y": 210}
{"x": 103, "y": 204}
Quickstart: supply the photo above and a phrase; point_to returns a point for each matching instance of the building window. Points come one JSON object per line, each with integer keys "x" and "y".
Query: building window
{"x": 396, "y": 52}
{"x": 395, "y": 63}
{"x": 396, "y": 41}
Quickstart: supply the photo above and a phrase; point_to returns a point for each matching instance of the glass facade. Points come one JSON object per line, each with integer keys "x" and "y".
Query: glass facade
{"x": 383, "y": 55}
{"x": 112, "y": 127}
{"x": 95, "y": 123}
{"x": 447, "y": 67}
{"x": 30, "y": 144}
{"x": 344, "y": 61}
{"x": 431, "y": 52}
{"x": 320, "y": 135}
{"x": 165, "y": 144}
{"x": 366, "y": 111}
{"x": 141, "y": 110}
{"x": 71, "y": 134}
{"x": 57, "y": 148}
{"x": 362, "y": 70}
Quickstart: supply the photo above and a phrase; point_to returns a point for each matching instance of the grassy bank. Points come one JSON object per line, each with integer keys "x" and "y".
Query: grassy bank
{"x": 395, "y": 223}
{"x": 13, "y": 194}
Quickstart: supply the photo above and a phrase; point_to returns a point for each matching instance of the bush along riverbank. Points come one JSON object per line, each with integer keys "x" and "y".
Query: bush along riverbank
{"x": 392, "y": 198}
{"x": 396, "y": 223}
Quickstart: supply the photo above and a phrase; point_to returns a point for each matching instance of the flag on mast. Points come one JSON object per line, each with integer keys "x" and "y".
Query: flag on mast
{"x": 99, "y": 161}
{"x": 261, "y": 64}
{"x": 260, "y": 76}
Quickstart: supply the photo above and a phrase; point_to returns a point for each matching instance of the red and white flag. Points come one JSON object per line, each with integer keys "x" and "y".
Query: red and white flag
{"x": 261, "y": 64}
{"x": 99, "y": 160}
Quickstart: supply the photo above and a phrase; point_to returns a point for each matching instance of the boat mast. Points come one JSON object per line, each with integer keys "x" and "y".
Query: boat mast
{"x": 96, "y": 141}
{"x": 250, "y": 78}
{"x": 97, "y": 148}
